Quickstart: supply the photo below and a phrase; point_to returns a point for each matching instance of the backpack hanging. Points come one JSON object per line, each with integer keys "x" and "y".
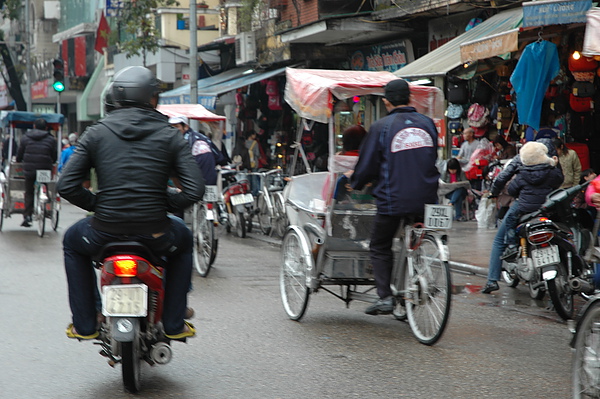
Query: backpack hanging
{"x": 454, "y": 111}
{"x": 477, "y": 115}
{"x": 583, "y": 89}
{"x": 457, "y": 91}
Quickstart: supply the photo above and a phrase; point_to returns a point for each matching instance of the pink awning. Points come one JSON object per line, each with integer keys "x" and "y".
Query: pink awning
{"x": 310, "y": 92}
{"x": 192, "y": 111}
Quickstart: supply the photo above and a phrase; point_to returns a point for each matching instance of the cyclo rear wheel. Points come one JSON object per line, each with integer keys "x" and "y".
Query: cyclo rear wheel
{"x": 296, "y": 261}
{"x": 427, "y": 286}
{"x": 586, "y": 373}
{"x": 40, "y": 210}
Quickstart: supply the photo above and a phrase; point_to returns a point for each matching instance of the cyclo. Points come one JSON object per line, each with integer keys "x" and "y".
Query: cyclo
{"x": 327, "y": 242}
{"x": 46, "y": 203}
{"x": 204, "y": 213}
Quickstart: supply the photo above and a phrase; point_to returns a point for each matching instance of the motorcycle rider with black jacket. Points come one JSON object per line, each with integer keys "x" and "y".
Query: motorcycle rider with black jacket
{"x": 134, "y": 151}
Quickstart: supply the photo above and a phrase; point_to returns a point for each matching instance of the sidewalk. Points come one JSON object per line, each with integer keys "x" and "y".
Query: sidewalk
{"x": 470, "y": 247}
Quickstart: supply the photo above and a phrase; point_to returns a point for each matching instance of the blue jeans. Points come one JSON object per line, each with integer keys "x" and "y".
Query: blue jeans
{"x": 81, "y": 242}
{"x": 499, "y": 245}
{"x": 512, "y": 220}
{"x": 457, "y": 197}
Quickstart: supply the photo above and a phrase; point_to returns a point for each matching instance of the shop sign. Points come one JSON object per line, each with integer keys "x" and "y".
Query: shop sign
{"x": 386, "y": 57}
{"x": 440, "y": 125}
{"x": 553, "y": 12}
{"x": 490, "y": 46}
{"x": 39, "y": 90}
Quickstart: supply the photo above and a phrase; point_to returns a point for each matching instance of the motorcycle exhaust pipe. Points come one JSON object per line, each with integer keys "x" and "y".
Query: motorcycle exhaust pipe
{"x": 580, "y": 285}
{"x": 161, "y": 353}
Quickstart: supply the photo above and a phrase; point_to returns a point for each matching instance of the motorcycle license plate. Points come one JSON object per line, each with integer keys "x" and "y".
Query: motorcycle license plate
{"x": 125, "y": 300}
{"x": 209, "y": 214}
{"x": 211, "y": 194}
{"x": 241, "y": 199}
{"x": 438, "y": 216}
{"x": 545, "y": 256}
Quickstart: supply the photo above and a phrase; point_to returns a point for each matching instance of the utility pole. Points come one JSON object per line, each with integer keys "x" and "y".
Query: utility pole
{"x": 193, "y": 54}
{"x": 28, "y": 56}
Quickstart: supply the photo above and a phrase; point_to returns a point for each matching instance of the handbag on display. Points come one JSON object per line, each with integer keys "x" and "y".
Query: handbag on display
{"x": 455, "y": 111}
{"x": 583, "y": 89}
{"x": 582, "y": 64}
{"x": 455, "y": 126}
{"x": 580, "y": 104}
{"x": 457, "y": 91}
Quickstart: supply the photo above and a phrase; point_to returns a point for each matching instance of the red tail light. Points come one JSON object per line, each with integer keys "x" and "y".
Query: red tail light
{"x": 125, "y": 266}
{"x": 540, "y": 237}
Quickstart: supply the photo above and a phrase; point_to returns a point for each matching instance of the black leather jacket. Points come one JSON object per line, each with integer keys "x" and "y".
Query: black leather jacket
{"x": 134, "y": 152}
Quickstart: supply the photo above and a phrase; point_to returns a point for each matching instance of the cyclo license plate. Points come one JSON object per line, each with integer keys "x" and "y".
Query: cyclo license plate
{"x": 545, "y": 256}
{"x": 211, "y": 194}
{"x": 125, "y": 300}
{"x": 241, "y": 199}
{"x": 438, "y": 216}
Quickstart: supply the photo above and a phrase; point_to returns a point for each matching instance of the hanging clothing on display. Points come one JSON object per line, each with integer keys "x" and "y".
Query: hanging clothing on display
{"x": 537, "y": 66}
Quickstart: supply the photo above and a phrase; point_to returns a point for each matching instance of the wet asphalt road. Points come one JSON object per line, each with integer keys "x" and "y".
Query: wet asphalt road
{"x": 496, "y": 346}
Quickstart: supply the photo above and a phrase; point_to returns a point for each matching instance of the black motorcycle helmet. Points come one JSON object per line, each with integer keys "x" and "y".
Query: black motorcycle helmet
{"x": 135, "y": 86}
{"x": 109, "y": 101}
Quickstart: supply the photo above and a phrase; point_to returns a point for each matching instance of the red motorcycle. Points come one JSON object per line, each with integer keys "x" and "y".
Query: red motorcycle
{"x": 132, "y": 303}
{"x": 239, "y": 202}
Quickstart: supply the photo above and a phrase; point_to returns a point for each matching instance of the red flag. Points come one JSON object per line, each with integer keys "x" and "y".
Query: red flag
{"x": 102, "y": 35}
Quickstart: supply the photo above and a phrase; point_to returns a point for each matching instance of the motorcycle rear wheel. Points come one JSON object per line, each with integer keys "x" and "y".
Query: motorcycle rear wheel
{"x": 131, "y": 362}
{"x": 240, "y": 226}
{"x": 561, "y": 296}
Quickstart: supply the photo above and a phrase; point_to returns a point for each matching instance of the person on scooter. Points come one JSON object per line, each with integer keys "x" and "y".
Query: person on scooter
{"x": 500, "y": 244}
{"x": 399, "y": 156}
{"x": 134, "y": 151}
{"x": 536, "y": 179}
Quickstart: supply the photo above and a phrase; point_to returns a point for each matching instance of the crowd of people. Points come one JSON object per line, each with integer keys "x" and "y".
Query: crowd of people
{"x": 171, "y": 145}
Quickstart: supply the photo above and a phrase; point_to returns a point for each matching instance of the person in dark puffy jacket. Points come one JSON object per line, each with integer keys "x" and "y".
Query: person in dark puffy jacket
{"x": 398, "y": 156}
{"x": 500, "y": 241}
{"x": 37, "y": 151}
{"x": 536, "y": 179}
{"x": 134, "y": 151}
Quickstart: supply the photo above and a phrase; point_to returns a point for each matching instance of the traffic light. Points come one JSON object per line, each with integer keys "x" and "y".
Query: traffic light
{"x": 59, "y": 75}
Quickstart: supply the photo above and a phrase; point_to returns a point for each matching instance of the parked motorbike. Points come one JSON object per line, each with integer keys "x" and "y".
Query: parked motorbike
{"x": 552, "y": 246}
{"x": 239, "y": 202}
{"x": 132, "y": 305}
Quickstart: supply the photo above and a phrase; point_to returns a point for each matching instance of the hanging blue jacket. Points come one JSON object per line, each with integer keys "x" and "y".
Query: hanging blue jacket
{"x": 538, "y": 65}
{"x": 398, "y": 156}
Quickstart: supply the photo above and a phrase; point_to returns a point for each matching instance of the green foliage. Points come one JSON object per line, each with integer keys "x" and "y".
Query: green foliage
{"x": 139, "y": 32}
{"x": 10, "y": 9}
{"x": 246, "y": 14}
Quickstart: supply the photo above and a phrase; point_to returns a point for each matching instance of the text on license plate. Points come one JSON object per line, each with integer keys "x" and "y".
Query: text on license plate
{"x": 545, "y": 256}
{"x": 211, "y": 194}
{"x": 241, "y": 199}
{"x": 125, "y": 300}
{"x": 438, "y": 216}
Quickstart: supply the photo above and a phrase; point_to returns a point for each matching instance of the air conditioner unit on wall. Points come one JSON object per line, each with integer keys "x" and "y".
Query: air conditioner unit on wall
{"x": 245, "y": 48}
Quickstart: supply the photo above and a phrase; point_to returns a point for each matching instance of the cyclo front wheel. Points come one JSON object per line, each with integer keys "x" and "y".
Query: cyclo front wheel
{"x": 427, "y": 286}
{"x": 586, "y": 373}
{"x": 296, "y": 260}
{"x": 203, "y": 231}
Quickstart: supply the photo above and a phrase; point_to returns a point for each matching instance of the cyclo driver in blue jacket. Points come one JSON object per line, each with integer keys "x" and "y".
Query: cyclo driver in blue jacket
{"x": 134, "y": 152}
{"x": 398, "y": 156}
